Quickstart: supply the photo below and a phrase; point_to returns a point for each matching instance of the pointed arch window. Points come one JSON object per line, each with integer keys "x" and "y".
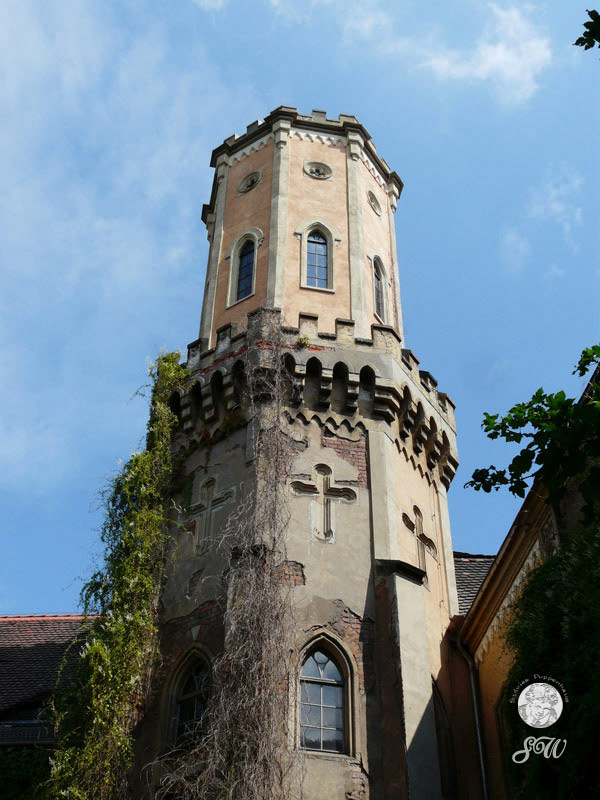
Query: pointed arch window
{"x": 245, "y": 270}
{"x": 422, "y": 561}
{"x": 191, "y": 703}
{"x": 378, "y": 290}
{"x": 317, "y": 267}
{"x": 322, "y": 711}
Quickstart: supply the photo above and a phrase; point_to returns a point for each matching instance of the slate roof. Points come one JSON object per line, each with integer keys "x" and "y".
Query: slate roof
{"x": 31, "y": 651}
{"x": 471, "y": 570}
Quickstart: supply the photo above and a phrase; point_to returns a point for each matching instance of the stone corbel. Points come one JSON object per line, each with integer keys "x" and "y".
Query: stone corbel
{"x": 207, "y": 403}
{"x": 406, "y": 417}
{"x": 210, "y": 226}
{"x": 281, "y": 131}
{"x": 433, "y": 449}
{"x": 355, "y": 145}
{"x": 393, "y": 195}
{"x": 420, "y": 433}
{"x": 326, "y": 385}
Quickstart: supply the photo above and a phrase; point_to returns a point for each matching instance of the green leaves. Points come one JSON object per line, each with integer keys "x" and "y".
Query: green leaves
{"x": 591, "y": 37}
{"x": 562, "y": 438}
{"x": 95, "y": 715}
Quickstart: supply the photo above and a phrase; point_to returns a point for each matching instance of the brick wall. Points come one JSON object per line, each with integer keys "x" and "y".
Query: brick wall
{"x": 353, "y": 452}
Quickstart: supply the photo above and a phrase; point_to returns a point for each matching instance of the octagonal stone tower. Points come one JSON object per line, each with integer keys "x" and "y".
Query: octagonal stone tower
{"x": 301, "y": 225}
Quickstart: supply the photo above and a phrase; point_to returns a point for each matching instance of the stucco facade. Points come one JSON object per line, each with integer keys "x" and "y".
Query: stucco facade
{"x": 373, "y": 452}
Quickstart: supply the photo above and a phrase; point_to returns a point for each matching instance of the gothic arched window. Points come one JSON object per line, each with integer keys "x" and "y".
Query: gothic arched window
{"x": 191, "y": 702}
{"x": 317, "y": 268}
{"x": 245, "y": 270}
{"x": 420, "y": 535}
{"x": 322, "y": 709}
{"x": 378, "y": 289}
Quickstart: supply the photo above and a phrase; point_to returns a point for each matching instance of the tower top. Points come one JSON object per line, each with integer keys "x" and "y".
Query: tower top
{"x": 301, "y": 219}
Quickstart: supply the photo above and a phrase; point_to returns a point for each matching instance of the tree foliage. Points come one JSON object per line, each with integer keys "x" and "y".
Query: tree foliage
{"x": 560, "y": 438}
{"x": 554, "y": 630}
{"x": 591, "y": 37}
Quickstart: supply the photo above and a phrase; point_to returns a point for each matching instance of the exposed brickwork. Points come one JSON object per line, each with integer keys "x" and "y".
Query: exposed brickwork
{"x": 177, "y": 636}
{"x": 358, "y": 635}
{"x": 353, "y": 452}
{"x": 293, "y": 573}
{"x": 360, "y": 782}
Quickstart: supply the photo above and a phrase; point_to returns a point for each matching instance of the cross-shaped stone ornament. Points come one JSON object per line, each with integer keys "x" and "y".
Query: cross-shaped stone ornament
{"x": 323, "y": 492}
{"x": 208, "y": 503}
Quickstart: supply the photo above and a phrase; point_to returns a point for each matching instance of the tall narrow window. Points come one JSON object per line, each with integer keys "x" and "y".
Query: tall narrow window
{"x": 378, "y": 284}
{"x": 316, "y": 260}
{"x": 321, "y": 704}
{"x": 420, "y": 542}
{"x": 191, "y": 704}
{"x": 246, "y": 270}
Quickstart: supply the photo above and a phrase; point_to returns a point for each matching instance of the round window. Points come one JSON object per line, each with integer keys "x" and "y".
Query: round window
{"x": 318, "y": 170}
{"x": 249, "y": 182}
{"x": 374, "y": 203}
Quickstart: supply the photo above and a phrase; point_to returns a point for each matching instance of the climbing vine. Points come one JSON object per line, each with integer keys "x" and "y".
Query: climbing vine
{"x": 241, "y": 748}
{"x": 95, "y": 715}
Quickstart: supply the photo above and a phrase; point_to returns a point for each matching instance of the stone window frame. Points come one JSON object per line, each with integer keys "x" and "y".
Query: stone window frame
{"x": 346, "y": 663}
{"x": 332, "y": 238}
{"x": 376, "y": 263}
{"x": 174, "y": 683}
{"x": 256, "y": 236}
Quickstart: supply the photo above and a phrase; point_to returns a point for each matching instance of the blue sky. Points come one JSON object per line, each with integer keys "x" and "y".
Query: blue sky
{"x": 110, "y": 112}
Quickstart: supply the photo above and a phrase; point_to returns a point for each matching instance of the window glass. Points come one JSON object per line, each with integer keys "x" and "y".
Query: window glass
{"x": 191, "y": 704}
{"x": 321, "y": 704}
{"x": 246, "y": 270}
{"x": 316, "y": 261}
{"x": 378, "y": 291}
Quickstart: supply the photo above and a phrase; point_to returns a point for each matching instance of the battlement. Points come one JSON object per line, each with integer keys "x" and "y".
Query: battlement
{"x": 366, "y": 383}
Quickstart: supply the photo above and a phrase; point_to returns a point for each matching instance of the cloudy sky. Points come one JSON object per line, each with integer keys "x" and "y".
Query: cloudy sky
{"x": 109, "y": 113}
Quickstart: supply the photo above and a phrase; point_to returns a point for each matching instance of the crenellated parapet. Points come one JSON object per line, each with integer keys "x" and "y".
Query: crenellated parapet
{"x": 337, "y": 379}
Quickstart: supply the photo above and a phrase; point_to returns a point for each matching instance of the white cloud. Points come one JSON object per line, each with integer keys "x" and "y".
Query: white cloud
{"x": 104, "y": 148}
{"x": 555, "y": 201}
{"x": 210, "y": 5}
{"x": 555, "y": 272}
{"x": 515, "y": 250}
{"x": 511, "y": 55}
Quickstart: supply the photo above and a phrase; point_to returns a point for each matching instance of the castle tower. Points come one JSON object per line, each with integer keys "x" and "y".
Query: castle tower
{"x": 301, "y": 224}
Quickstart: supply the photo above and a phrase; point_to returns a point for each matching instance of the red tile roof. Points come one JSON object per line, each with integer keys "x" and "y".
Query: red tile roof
{"x": 32, "y": 648}
{"x": 470, "y": 570}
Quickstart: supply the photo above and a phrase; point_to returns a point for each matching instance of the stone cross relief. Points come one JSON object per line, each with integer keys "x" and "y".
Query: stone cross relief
{"x": 209, "y": 502}
{"x": 323, "y": 493}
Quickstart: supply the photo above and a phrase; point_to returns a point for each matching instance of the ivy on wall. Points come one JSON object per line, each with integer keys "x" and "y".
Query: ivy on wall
{"x": 96, "y": 713}
{"x": 554, "y": 630}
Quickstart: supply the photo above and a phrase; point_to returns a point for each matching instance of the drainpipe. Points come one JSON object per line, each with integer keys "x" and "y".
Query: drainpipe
{"x": 476, "y": 710}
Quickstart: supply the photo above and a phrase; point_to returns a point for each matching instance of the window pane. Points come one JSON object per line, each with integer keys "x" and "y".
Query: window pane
{"x": 333, "y": 718}
{"x": 311, "y": 738}
{"x": 333, "y": 740}
{"x": 332, "y": 673}
{"x": 311, "y": 715}
{"x": 310, "y": 669}
{"x": 311, "y": 693}
{"x": 332, "y": 696}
